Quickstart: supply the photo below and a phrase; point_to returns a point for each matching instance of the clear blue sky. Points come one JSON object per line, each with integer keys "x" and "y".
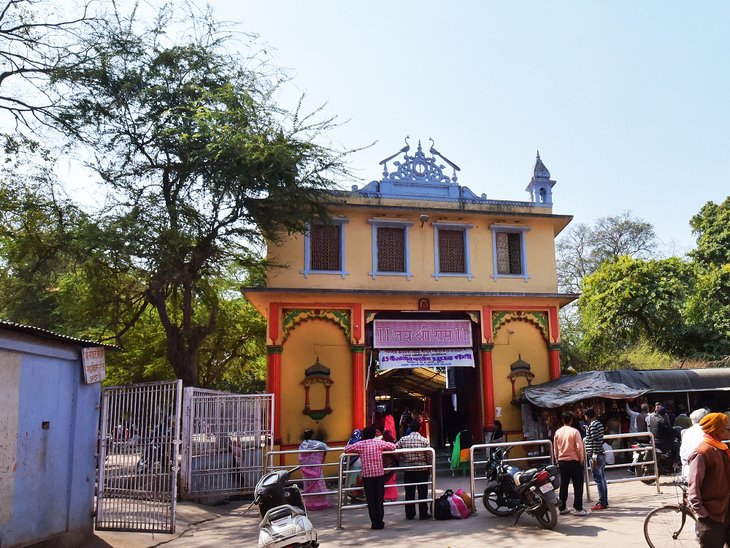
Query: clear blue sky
{"x": 628, "y": 102}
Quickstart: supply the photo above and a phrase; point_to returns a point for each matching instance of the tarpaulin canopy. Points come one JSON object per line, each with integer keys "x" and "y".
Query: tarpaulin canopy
{"x": 625, "y": 384}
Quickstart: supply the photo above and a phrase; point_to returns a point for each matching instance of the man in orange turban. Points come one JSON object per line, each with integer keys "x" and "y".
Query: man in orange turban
{"x": 709, "y": 482}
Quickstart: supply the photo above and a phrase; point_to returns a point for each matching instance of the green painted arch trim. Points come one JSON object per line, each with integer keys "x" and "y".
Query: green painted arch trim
{"x": 297, "y": 316}
{"x": 537, "y": 318}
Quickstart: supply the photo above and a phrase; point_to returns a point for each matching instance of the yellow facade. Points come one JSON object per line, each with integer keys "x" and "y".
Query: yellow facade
{"x": 328, "y": 317}
{"x": 323, "y": 341}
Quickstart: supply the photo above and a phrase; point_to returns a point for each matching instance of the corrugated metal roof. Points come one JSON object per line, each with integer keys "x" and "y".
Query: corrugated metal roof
{"x": 45, "y": 333}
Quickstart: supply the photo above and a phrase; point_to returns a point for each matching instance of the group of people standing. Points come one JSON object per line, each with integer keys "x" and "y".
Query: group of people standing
{"x": 570, "y": 449}
{"x": 705, "y": 458}
{"x": 370, "y": 449}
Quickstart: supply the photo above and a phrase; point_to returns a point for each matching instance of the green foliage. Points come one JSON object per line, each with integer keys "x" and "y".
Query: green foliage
{"x": 201, "y": 167}
{"x": 628, "y": 300}
{"x": 712, "y": 227}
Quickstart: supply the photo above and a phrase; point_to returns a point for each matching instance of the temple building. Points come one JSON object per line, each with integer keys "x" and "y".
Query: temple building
{"x": 418, "y": 293}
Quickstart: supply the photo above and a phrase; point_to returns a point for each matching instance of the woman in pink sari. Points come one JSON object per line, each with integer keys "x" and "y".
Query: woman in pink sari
{"x": 311, "y": 460}
{"x": 391, "y": 492}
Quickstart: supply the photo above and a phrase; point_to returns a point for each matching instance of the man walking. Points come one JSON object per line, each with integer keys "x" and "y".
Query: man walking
{"x": 597, "y": 457}
{"x": 568, "y": 448}
{"x": 709, "y": 476}
{"x": 373, "y": 474}
{"x": 415, "y": 479}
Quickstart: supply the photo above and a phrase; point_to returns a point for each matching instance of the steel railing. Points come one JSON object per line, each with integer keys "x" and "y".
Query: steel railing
{"x": 270, "y": 466}
{"x": 628, "y": 465}
{"x": 344, "y": 473}
{"x": 473, "y": 478}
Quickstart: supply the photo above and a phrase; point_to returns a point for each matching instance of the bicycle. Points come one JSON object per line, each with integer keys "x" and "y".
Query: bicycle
{"x": 669, "y": 525}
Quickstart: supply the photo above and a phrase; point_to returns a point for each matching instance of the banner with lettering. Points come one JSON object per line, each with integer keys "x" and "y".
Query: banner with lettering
{"x": 422, "y": 334}
{"x": 401, "y": 359}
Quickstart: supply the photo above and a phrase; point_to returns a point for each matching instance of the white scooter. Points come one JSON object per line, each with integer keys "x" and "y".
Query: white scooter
{"x": 284, "y": 517}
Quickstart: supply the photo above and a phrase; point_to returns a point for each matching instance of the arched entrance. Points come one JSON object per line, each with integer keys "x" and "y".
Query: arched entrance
{"x": 450, "y": 395}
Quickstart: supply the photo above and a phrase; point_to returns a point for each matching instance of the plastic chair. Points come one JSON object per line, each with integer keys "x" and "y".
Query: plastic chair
{"x": 459, "y": 457}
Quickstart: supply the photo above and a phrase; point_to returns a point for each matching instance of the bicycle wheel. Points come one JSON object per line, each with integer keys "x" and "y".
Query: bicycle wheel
{"x": 670, "y": 526}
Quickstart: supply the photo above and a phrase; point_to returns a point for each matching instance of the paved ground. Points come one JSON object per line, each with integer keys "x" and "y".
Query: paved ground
{"x": 620, "y": 526}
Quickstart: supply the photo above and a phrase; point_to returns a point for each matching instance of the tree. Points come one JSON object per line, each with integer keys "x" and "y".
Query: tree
{"x": 710, "y": 306}
{"x": 38, "y": 41}
{"x": 712, "y": 228}
{"x": 200, "y": 164}
{"x": 627, "y": 301}
{"x": 583, "y": 248}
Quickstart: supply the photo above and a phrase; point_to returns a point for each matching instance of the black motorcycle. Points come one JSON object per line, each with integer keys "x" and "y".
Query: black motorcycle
{"x": 512, "y": 492}
{"x": 667, "y": 460}
{"x": 155, "y": 451}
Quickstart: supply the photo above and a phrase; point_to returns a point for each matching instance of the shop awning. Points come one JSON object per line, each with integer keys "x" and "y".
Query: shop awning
{"x": 625, "y": 384}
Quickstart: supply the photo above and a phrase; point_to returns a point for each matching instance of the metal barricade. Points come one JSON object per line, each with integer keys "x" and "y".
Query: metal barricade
{"x": 486, "y": 446}
{"x": 224, "y": 439}
{"x": 627, "y": 465}
{"x": 269, "y": 466}
{"x": 344, "y": 473}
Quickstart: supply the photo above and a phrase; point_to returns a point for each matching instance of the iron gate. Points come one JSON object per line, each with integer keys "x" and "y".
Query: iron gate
{"x": 138, "y": 454}
{"x": 225, "y": 437}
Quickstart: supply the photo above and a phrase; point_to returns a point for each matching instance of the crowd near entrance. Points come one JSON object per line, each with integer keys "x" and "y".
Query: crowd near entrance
{"x": 410, "y": 375}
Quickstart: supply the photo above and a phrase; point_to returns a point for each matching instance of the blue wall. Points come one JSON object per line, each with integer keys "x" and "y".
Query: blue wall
{"x": 56, "y": 466}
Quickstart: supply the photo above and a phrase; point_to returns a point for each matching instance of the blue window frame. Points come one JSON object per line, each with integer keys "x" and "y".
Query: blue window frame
{"x": 509, "y": 252}
{"x": 324, "y": 248}
{"x": 451, "y": 250}
{"x": 390, "y": 248}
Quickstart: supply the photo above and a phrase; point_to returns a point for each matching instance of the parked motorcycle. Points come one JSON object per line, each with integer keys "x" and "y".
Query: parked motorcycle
{"x": 284, "y": 517}
{"x": 155, "y": 449}
{"x": 668, "y": 462}
{"x": 513, "y": 492}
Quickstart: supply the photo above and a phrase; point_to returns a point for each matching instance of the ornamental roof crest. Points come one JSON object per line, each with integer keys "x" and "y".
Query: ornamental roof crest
{"x": 418, "y": 167}
{"x": 419, "y": 176}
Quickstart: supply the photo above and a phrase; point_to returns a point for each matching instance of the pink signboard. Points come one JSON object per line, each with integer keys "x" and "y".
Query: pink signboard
{"x": 422, "y": 334}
